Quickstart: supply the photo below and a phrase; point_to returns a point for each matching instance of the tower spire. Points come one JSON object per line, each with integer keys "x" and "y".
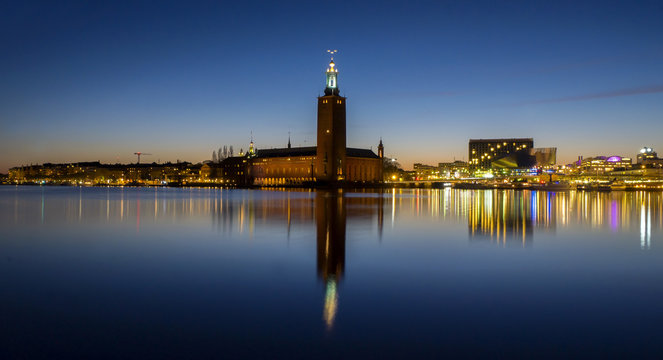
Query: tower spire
{"x": 331, "y": 87}
{"x": 289, "y": 146}
{"x": 252, "y": 150}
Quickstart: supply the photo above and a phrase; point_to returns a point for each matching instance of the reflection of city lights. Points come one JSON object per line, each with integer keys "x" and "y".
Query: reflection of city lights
{"x": 393, "y": 206}
{"x": 645, "y": 227}
{"x": 331, "y": 303}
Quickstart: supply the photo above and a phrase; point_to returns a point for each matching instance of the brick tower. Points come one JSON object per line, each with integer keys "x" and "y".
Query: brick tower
{"x": 331, "y": 153}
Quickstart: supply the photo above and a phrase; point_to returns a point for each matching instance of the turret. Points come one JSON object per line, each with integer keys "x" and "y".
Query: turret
{"x": 252, "y": 150}
{"x": 380, "y": 149}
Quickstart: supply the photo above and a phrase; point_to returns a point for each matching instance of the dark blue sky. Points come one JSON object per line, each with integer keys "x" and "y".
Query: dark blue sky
{"x": 84, "y": 81}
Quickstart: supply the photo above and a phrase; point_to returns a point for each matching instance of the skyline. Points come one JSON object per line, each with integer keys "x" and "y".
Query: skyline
{"x": 87, "y": 82}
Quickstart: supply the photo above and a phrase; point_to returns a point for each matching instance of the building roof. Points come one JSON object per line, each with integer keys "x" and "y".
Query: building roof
{"x": 365, "y": 153}
{"x": 311, "y": 151}
{"x": 285, "y": 152}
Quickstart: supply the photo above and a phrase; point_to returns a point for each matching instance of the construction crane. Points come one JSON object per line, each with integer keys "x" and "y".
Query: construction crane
{"x": 139, "y": 154}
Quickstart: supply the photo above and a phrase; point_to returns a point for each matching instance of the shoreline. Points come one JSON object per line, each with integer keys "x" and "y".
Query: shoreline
{"x": 354, "y": 186}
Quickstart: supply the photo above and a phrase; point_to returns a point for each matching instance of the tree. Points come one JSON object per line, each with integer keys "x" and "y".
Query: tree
{"x": 390, "y": 168}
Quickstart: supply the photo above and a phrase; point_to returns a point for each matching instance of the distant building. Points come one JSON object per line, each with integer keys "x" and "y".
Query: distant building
{"x": 646, "y": 153}
{"x": 234, "y": 171}
{"x": 647, "y": 158}
{"x": 425, "y": 172}
{"x": 117, "y": 174}
{"x": 453, "y": 170}
{"x": 604, "y": 164}
{"x": 482, "y": 152}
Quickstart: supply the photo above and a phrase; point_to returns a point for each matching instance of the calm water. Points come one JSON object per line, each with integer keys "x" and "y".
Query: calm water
{"x": 204, "y": 273}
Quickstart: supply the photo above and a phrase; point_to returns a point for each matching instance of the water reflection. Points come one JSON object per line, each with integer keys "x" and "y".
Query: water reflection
{"x": 208, "y": 259}
{"x": 645, "y": 227}
{"x": 330, "y": 218}
{"x": 332, "y": 210}
{"x": 498, "y": 216}
{"x": 511, "y": 218}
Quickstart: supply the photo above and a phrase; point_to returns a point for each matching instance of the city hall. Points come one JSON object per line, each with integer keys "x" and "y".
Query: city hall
{"x": 330, "y": 162}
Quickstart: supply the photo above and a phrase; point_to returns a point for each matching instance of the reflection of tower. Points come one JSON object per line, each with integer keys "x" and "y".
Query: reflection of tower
{"x": 330, "y": 159}
{"x": 330, "y": 215}
{"x": 330, "y": 223}
{"x": 381, "y": 156}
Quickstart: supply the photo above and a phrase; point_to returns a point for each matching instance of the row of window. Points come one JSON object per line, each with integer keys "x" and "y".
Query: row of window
{"x": 337, "y": 101}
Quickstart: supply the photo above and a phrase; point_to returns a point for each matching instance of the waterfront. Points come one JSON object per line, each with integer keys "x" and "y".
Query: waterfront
{"x": 166, "y": 272}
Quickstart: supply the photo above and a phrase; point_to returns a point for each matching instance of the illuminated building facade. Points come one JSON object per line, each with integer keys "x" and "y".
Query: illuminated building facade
{"x": 450, "y": 170}
{"x": 425, "y": 172}
{"x": 453, "y": 170}
{"x": 604, "y": 164}
{"x": 482, "y": 152}
{"x": 93, "y": 173}
{"x": 286, "y": 166}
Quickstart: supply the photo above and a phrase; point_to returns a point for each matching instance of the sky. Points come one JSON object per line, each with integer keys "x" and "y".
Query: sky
{"x": 88, "y": 81}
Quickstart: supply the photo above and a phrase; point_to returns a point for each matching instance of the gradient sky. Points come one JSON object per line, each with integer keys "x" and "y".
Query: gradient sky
{"x": 87, "y": 81}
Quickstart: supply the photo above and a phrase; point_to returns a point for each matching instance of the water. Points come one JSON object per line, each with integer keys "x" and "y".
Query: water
{"x": 207, "y": 273}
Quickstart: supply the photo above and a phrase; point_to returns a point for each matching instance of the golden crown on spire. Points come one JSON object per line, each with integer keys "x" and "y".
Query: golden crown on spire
{"x": 331, "y": 62}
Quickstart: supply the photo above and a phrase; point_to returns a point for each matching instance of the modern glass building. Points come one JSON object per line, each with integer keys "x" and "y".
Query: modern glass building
{"x": 482, "y": 152}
